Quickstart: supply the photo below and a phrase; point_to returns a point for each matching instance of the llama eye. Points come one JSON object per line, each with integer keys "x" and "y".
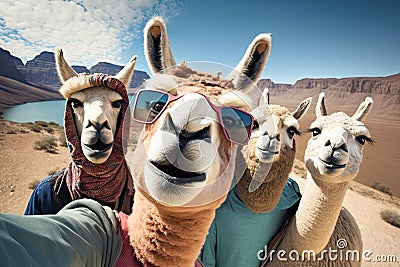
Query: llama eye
{"x": 291, "y": 131}
{"x": 255, "y": 125}
{"x": 315, "y": 131}
{"x": 228, "y": 122}
{"x": 362, "y": 139}
{"x": 117, "y": 104}
{"x": 156, "y": 107}
{"x": 75, "y": 103}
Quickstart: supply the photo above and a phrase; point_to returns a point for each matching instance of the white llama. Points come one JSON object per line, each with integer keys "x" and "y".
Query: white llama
{"x": 333, "y": 157}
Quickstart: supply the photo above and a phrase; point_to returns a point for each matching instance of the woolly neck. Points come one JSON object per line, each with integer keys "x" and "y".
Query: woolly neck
{"x": 168, "y": 236}
{"x": 317, "y": 214}
{"x": 266, "y": 197}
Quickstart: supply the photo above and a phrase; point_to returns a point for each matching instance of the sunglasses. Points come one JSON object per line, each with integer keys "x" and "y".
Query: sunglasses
{"x": 236, "y": 123}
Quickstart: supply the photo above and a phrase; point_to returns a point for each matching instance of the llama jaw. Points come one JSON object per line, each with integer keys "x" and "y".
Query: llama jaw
{"x": 267, "y": 149}
{"x": 170, "y": 190}
{"x": 332, "y": 161}
{"x": 331, "y": 165}
{"x": 266, "y": 156}
{"x": 328, "y": 168}
{"x": 98, "y": 152}
{"x": 177, "y": 176}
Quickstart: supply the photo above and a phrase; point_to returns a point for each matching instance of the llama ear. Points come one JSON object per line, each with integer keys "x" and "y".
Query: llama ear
{"x": 64, "y": 70}
{"x": 253, "y": 62}
{"x": 156, "y": 45}
{"x": 320, "y": 109}
{"x": 302, "y": 108}
{"x": 125, "y": 74}
{"x": 264, "y": 100}
{"x": 363, "y": 109}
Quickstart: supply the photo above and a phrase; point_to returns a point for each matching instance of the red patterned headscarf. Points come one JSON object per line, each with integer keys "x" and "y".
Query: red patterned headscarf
{"x": 104, "y": 182}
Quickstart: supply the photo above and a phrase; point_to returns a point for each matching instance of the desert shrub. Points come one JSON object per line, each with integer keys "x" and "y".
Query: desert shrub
{"x": 52, "y": 171}
{"x": 22, "y": 130}
{"x": 381, "y": 187}
{"x": 34, "y": 128}
{"x": 52, "y": 123}
{"x": 33, "y": 184}
{"x": 391, "y": 217}
{"x": 47, "y": 143}
{"x": 61, "y": 138}
{"x": 49, "y": 129}
{"x": 11, "y": 132}
{"x": 42, "y": 123}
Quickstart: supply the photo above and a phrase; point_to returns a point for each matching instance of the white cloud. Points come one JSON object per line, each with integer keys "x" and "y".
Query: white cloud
{"x": 89, "y": 31}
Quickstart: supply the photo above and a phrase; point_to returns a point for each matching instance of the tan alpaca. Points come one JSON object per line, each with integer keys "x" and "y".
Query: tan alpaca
{"x": 251, "y": 215}
{"x": 271, "y": 153}
{"x": 175, "y": 200}
{"x": 332, "y": 158}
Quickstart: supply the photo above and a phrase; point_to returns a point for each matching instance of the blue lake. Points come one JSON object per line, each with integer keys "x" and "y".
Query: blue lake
{"x": 38, "y": 111}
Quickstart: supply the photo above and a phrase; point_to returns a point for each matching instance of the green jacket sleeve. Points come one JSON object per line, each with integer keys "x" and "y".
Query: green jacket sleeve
{"x": 83, "y": 233}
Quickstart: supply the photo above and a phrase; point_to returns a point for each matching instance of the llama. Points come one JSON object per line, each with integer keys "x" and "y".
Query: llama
{"x": 272, "y": 152}
{"x": 333, "y": 157}
{"x": 93, "y": 121}
{"x": 184, "y": 217}
{"x": 175, "y": 200}
{"x": 263, "y": 197}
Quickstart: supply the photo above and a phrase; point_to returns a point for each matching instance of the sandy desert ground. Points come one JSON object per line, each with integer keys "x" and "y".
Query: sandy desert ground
{"x": 21, "y": 165}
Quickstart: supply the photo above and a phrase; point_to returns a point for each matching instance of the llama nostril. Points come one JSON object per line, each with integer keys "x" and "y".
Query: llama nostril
{"x": 90, "y": 124}
{"x": 344, "y": 147}
{"x": 98, "y": 126}
{"x": 264, "y": 133}
{"x": 328, "y": 143}
{"x": 106, "y": 125}
{"x": 278, "y": 137}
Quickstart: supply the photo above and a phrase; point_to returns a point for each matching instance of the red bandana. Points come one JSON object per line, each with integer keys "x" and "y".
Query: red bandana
{"x": 106, "y": 181}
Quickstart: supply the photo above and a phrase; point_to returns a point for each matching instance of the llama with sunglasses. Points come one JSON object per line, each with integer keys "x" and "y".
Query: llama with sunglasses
{"x": 193, "y": 125}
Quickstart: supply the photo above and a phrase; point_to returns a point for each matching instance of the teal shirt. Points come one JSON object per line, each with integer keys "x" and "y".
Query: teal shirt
{"x": 237, "y": 233}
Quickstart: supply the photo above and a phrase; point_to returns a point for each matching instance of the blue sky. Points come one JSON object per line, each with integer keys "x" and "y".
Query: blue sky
{"x": 309, "y": 38}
